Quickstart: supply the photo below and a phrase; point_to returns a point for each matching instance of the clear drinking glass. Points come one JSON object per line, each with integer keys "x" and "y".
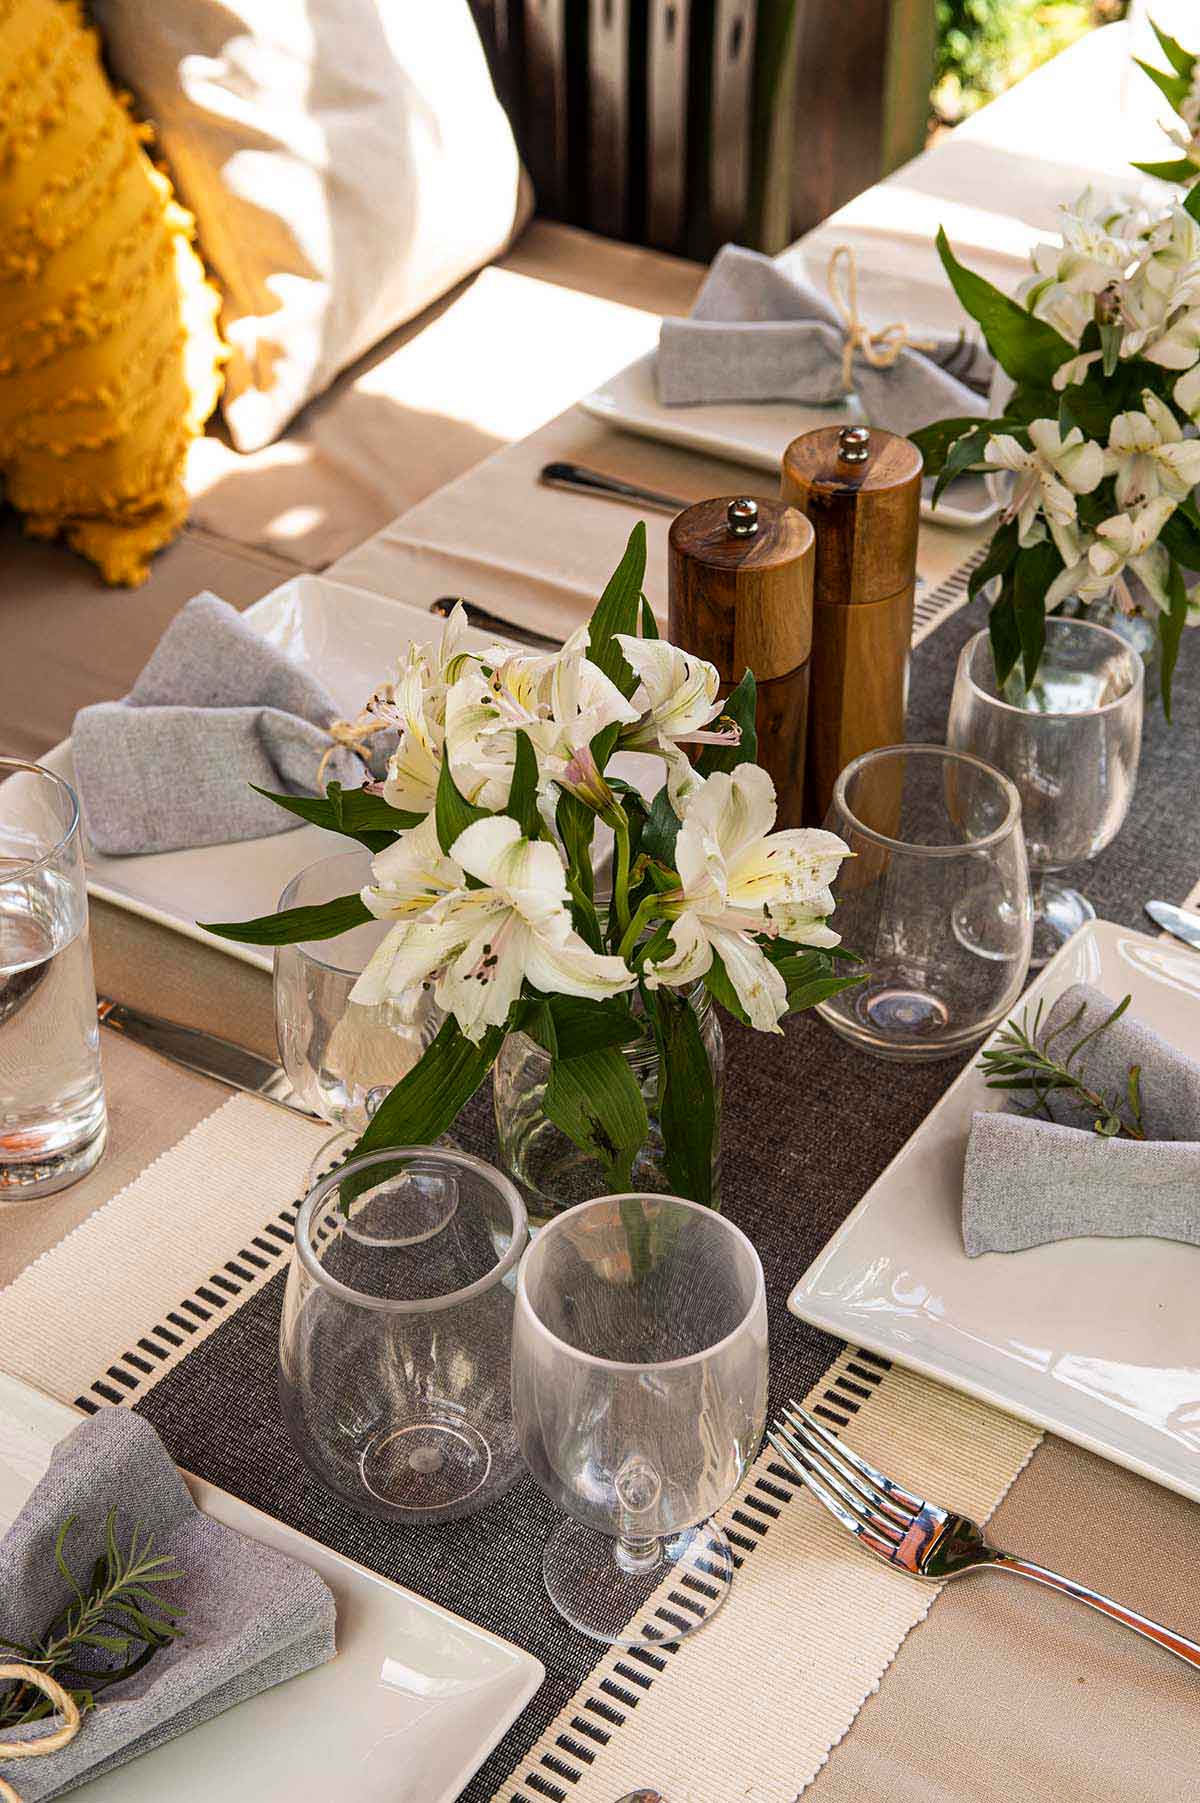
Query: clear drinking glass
{"x": 342, "y": 1058}
{"x": 639, "y": 1381}
{"x": 396, "y": 1337}
{"x": 52, "y": 1116}
{"x": 935, "y": 897}
{"x": 1071, "y": 744}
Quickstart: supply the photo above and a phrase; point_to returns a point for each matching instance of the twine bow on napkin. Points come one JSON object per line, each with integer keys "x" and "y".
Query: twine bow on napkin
{"x": 760, "y": 333}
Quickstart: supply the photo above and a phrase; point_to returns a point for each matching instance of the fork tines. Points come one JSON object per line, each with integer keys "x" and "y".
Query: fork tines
{"x": 873, "y": 1507}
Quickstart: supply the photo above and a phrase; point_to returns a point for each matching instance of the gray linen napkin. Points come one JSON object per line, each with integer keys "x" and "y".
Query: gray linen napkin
{"x": 253, "y": 1617}
{"x": 216, "y": 709}
{"x": 757, "y": 333}
{"x": 1029, "y": 1180}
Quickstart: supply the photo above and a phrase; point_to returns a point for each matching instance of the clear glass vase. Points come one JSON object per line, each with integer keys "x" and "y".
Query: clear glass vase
{"x": 549, "y": 1169}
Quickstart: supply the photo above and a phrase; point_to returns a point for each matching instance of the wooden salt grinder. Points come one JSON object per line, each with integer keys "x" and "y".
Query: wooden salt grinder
{"x": 861, "y": 489}
{"x": 740, "y": 595}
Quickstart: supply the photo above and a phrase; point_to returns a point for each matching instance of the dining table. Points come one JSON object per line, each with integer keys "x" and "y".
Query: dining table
{"x": 831, "y": 1676}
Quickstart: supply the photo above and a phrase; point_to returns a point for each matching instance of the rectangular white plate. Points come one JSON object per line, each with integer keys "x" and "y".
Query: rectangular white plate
{"x": 1097, "y": 1339}
{"x": 352, "y": 640}
{"x": 755, "y": 433}
{"x": 408, "y": 1711}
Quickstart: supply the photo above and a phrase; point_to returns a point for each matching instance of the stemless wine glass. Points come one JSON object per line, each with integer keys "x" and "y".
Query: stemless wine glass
{"x": 935, "y": 898}
{"x": 342, "y": 1057}
{"x": 395, "y": 1344}
{"x": 1070, "y": 743}
{"x": 639, "y": 1381}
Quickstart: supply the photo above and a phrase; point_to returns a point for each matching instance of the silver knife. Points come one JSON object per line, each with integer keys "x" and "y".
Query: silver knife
{"x": 480, "y": 617}
{"x": 205, "y": 1053}
{"x": 573, "y": 476}
{"x": 1180, "y": 921}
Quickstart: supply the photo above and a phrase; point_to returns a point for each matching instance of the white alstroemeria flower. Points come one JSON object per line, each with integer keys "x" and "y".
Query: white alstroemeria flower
{"x": 479, "y": 945}
{"x": 1172, "y": 268}
{"x": 742, "y": 881}
{"x": 1131, "y": 541}
{"x": 676, "y": 704}
{"x": 1149, "y": 455}
{"x": 1048, "y": 476}
{"x": 1098, "y": 247}
{"x": 415, "y": 703}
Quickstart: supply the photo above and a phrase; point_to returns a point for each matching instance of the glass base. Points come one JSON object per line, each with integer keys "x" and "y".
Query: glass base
{"x": 29, "y": 1172}
{"x": 1058, "y": 913}
{"x": 602, "y": 1586}
{"x": 426, "y": 1469}
{"x": 897, "y": 1014}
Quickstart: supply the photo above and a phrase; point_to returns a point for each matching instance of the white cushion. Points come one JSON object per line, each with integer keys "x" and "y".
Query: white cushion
{"x": 347, "y": 162}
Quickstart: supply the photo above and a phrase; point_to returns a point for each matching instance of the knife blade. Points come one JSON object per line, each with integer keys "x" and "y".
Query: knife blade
{"x": 1180, "y": 921}
{"x": 575, "y": 478}
{"x": 204, "y": 1053}
{"x": 480, "y": 617}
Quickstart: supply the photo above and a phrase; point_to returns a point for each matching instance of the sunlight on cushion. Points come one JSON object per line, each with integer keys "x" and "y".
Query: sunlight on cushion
{"x": 109, "y": 352}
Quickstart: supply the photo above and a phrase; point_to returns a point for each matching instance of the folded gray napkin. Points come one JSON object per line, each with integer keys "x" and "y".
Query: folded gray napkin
{"x": 757, "y": 333}
{"x": 216, "y": 709}
{"x": 253, "y": 1617}
{"x": 1029, "y": 1180}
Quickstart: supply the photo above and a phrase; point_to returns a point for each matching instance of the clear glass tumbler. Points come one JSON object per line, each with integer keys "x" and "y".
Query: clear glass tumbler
{"x": 639, "y": 1380}
{"x": 935, "y": 897}
{"x": 342, "y": 1058}
{"x": 1071, "y": 744}
{"x": 396, "y": 1337}
{"x": 52, "y": 1116}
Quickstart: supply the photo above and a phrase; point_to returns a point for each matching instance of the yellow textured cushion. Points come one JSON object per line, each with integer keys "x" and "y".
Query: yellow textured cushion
{"x": 109, "y": 351}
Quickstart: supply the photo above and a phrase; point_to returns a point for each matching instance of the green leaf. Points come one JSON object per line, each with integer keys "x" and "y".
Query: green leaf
{"x": 1181, "y": 536}
{"x": 813, "y": 976}
{"x": 1191, "y": 205}
{"x": 935, "y": 442}
{"x": 968, "y": 451}
{"x": 687, "y": 1104}
{"x": 351, "y": 812}
{"x": 522, "y": 796}
{"x": 617, "y": 611}
{"x": 568, "y": 1026}
{"x": 576, "y": 826}
{"x": 1174, "y": 86}
{"x": 595, "y": 1100}
{"x": 1182, "y": 61}
{"x": 1003, "y": 631}
{"x": 1033, "y": 572}
{"x": 294, "y": 926}
{"x": 649, "y": 623}
{"x": 716, "y": 981}
{"x": 740, "y": 708}
{"x": 453, "y": 812}
{"x": 1176, "y": 169}
{"x": 1111, "y": 335}
{"x": 661, "y": 830}
{"x": 1170, "y": 630}
{"x": 1000, "y": 555}
{"x": 1026, "y": 348}
{"x": 428, "y": 1099}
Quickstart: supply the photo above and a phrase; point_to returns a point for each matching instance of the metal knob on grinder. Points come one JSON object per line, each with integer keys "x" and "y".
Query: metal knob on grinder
{"x": 740, "y": 596}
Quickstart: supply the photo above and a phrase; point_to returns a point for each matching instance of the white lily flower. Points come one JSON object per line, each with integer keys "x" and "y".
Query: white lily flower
{"x": 1049, "y": 475}
{"x": 1099, "y": 246}
{"x": 676, "y": 703}
{"x": 1131, "y": 541}
{"x": 740, "y": 882}
{"x": 415, "y": 703}
{"x": 1149, "y": 456}
{"x": 479, "y": 945}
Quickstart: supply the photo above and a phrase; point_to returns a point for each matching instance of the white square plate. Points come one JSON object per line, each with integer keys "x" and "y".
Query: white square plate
{"x": 1096, "y": 1339}
{"x": 754, "y": 433}
{"x": 407, "y": 1713}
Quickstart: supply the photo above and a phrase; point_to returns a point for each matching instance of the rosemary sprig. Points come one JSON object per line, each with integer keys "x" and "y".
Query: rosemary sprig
{"x": 119, "y": 1615}
{"x": 1018, "y": 1062}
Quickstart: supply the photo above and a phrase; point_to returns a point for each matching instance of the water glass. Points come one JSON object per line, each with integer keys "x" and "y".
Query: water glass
{"x": 1070, "y": 743}
{"x": 639, "y": 1382}
{"x": 342, "y": 1058}
{"x": 396, "y": 1337}
{"x": 52, "y": 1115}
{"x": 935, "y": 897}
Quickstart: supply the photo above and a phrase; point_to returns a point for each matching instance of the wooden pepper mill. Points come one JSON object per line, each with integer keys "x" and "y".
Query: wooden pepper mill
{"x": 740, "y": 595}
{"x": 861, "y": 489}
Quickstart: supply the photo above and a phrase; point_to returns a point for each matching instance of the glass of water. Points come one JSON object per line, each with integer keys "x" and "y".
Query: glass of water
{"x": 1071, "y": 743}
{"x": 342, "y": 1058}
{"x": 639, "y": 1382}
{"x": 52, "y": 1116}
{"x": 935, "y": 897}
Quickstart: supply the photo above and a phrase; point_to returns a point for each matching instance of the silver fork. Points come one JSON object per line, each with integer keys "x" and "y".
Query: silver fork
{"x": 918, "y": 1536}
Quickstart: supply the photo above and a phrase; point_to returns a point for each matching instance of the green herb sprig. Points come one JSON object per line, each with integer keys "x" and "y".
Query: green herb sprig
{"x": 1023, "y": 1062}
{"x": 119, "y": 1614}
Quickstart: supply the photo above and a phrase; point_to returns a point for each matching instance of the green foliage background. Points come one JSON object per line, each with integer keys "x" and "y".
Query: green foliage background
{"x": 984, "y": 46}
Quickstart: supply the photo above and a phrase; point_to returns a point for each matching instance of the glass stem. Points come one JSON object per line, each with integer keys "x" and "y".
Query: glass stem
{"x": 637, "y": 1556}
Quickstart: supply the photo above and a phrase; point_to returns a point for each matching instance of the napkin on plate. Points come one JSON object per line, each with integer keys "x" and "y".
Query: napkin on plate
{"x": 216, "y": 709}
{"x": 253, "y": 1617}
{"x": 1029, "y": 1180}
{"x": 759, "y": 333}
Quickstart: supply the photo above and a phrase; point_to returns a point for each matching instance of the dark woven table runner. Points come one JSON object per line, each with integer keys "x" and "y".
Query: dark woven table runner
{"x": 809, "y": 1124}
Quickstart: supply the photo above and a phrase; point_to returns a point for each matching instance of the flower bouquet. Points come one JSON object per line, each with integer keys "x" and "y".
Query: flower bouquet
{"x": 1101, "y": 345}
{"x": 484, "y": 839}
